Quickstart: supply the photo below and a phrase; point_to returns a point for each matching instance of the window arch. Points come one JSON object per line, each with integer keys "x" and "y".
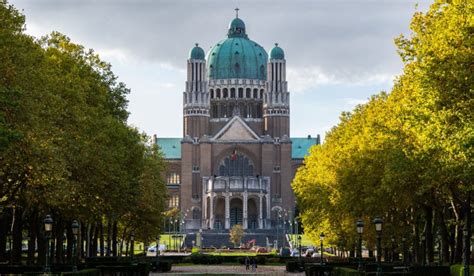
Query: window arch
{"x": 236, "y": 165}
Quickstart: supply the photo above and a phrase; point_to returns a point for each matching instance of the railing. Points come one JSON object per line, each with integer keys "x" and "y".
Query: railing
{"x": 237, "y": 183}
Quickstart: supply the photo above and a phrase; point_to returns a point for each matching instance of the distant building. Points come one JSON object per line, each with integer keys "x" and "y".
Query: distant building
{"x": 236, "y": 160}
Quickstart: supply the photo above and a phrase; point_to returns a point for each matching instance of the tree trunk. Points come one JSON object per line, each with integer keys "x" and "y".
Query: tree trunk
{"x": 82, "y": 242}
{"x": 3, "y": 236}
{"x": 109, "y": 238}
{"x": 32, "y": 237}
{"x": 429, "y": 234}
{"x": 452, "y": 242}
{"x": 101, "y": 237}
{"x": 40, "y": 240}
{"x": 443, "y": 235}
{"x": 70, "y": 239}
{"x": 59, "y": 242}
{"x": 459, "y": 241}
{"x": 416, "y": 243}
{"x": 114, "y": 238}
{"x": 17, "y": 235}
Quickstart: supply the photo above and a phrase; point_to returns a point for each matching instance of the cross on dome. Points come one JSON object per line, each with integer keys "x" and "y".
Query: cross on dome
{"x": 236, "y": 12}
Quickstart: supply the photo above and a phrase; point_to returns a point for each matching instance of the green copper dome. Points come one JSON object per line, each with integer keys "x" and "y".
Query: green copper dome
{"x": 277, "y": 52}
{"x": 196, "y": 53}
{"x": 237, "y": 57}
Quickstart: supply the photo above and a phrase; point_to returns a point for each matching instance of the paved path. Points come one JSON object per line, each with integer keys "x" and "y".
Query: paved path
{"x": 227, "y": 269}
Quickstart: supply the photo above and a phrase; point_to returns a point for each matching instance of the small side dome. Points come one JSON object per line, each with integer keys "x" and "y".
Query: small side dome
{"x": 277, "y": 52}
{"x": 197, "y": 53}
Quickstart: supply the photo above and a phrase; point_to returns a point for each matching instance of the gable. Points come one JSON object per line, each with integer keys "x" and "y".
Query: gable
{"x": 236, "y": 130}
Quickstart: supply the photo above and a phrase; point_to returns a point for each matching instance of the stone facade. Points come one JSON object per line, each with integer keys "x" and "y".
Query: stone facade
{"x": 237, "y": 160}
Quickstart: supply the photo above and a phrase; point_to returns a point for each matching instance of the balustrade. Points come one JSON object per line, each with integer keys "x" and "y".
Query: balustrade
{"x": 236, "y": 183}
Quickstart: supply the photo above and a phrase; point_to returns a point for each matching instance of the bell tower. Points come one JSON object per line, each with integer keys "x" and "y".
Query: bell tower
{"x": 196, "y": 96}
{"x": 276, "y": 104}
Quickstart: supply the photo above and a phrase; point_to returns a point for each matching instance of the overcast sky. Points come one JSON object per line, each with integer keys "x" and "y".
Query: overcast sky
{"x": 338, "y": 52}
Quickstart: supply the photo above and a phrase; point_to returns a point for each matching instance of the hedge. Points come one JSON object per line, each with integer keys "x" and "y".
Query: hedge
{"x": 85, "y": 272}
{"x": 458, "y": 270}
{"x": 344, "y": 271}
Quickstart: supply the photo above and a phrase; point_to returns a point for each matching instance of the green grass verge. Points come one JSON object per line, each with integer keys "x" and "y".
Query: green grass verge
{"x": 458, "y": 270}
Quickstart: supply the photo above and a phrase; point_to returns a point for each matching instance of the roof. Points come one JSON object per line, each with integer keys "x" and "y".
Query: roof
{"x": 196, "y": 53}
{"x": 237, "y": 57}
{"x": 277, "y": 52}
{"x": 171, "y": 147}
{"x": 300, "y": 146}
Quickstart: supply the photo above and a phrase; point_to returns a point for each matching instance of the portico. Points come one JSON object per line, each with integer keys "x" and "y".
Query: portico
{"x": 236, "y": 200}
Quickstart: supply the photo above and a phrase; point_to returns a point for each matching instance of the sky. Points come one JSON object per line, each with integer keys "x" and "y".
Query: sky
{"x": 338, "y": 52}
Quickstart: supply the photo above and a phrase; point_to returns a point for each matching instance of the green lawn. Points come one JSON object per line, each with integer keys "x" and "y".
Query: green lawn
{"x": 305, "y": 241}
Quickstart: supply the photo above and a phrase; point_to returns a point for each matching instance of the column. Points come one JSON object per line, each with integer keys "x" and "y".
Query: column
{"x": 245, "y": 210}
{"x": 260, "y": 209}
{"x": 211, "y": 213}
{"x": 227, "y": 211}
{"x": 267, "y": 197}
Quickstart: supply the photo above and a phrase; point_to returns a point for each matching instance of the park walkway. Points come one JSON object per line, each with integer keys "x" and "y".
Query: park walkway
{"x": 227, "y": 270}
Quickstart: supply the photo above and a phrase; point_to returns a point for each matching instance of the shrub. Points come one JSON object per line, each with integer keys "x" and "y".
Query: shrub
{"x": 458, "y": 270}
{"x": 292, "y": 266}
{"x": 344, "y": 271}
{"x": 195, "y": 250}
{"x": 261, "y": 260}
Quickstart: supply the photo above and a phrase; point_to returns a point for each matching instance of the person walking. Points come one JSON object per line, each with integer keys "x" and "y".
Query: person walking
{"x": 254, "y": 264}
{"x": 247, "y": 262}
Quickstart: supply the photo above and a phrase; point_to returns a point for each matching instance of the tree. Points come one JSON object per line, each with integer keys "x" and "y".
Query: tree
{"x": 236, "y": 234}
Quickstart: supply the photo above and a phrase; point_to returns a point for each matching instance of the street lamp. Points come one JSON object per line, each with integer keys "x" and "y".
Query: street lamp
{"x": 360, "y": 230}
{"x": 321, "y": 237}
{"x": 48, "y": 228}
{"x": 75, "y": 233}
{"x": 467, "y": 246}
{"x": 299, "y": 245}
{"x": 378, "y": 228}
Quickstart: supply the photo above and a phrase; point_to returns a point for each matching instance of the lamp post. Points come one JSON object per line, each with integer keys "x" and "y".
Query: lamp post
{"x": 299, "y": 245}
{"x": 48, "y": 228}
{"x": 378, "y": 228}
{"x": 132, "y": 244}
{"x": 321, "y": 237}
{"x": 360, "y": 231}
{"x": 467, "y": 246}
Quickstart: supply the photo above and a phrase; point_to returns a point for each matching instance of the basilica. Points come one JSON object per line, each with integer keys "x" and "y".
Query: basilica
{"x": 236, "y": 159}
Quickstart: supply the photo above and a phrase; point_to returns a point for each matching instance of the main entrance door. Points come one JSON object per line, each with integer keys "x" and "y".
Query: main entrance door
{"x": 236, "y": 213}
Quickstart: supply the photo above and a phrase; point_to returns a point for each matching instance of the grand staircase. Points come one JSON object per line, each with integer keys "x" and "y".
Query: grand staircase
{"x": 220, "y": 239}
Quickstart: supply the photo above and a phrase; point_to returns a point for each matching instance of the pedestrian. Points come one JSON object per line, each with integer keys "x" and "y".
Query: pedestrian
{"x": 254, "y": 264}
{"x": 247, "y": 262}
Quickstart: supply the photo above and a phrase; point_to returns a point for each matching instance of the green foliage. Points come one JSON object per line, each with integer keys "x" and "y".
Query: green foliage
{"x": 236, "y": 234}
{"x": 458, "y": 270}
{"x": 404, "y": 152}
{"x": 65, "y": 145}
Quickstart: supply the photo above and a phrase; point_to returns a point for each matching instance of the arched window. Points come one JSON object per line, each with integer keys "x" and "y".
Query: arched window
{"x": 225, "y": 92}
{"x": 212, "y": 93}
{"x": 236, "y": 165}
{"x": 241, "y": 92}
{"x": 255, "y": 93}
{"x": 232, "y": 93}
{"x": 218, "y": 92}
{"x": 248, "y": 92}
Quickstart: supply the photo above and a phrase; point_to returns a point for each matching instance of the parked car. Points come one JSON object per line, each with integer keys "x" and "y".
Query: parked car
{"x": 295, "y": 253}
